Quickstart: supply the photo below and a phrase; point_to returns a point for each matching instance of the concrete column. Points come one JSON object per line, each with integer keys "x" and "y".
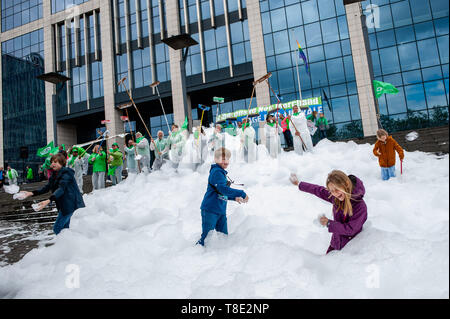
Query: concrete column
{"x": 109, "y": 85}
{"x": 86, "y": 58}
{"x": 77, "y": 40}
{"x": 67, "y": 30}
{"x": 49, "y": 66}
{"x": 200, "y": 38}
{"x": 116, "y": 26}
{"x": 161, "y": 18}
{"x": 96, "y": 32}
{"x": 67, "y": 134}
{"x": 363, "y": 67}
{"x": 130, "y": 78}
{"x": 258, "y": 51}
{"x": 58, "y": 47}
{"x": 186, "y": 16}
{"x": 181, "y": 104}
{"x": 228, "y": 34}
{"x": 138, "y": 23}
{"x": 212, "y": 13}
{"x": 150, "y": 42}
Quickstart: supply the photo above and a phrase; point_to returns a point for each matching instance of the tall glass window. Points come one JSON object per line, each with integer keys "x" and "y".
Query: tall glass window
{"x": 19, "y": 12}
{"x": 320, "y": 27}
{"x": 411, "y": 52}
{"x": 23, "y": 99}
{"x": 61, "y": 5}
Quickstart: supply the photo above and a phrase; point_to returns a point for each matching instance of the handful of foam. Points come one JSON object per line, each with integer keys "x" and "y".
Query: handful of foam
{"x": 11, "y": 189}
{"x": 20, "y": 196}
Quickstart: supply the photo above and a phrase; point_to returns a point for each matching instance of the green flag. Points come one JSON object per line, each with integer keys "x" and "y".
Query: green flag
{"x": 383, "y": 87}
{"x": 45, "y": 151}
{"x": 185, "y": 124}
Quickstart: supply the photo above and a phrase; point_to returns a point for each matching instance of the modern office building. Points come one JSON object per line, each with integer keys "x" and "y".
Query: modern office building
{"x": 96, "y": 43}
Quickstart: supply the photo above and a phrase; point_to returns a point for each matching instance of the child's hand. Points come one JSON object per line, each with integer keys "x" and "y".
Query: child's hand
{"x": 293, "y": 179}
{"x": 323, "y": 221}
{"x": 241, "y": 200}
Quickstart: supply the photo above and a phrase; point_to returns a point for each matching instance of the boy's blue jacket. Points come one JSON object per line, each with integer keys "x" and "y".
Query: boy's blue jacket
{"x": 211, "y": 201}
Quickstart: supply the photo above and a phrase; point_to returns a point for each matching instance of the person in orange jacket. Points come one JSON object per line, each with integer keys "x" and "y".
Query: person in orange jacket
{"x": 385, "y": 149}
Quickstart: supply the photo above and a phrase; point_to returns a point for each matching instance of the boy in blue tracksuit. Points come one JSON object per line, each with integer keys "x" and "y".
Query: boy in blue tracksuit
{"x": 214, "y": 205}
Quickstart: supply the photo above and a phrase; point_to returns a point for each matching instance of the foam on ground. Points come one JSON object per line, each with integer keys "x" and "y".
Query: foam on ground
{"x": 137, "y": 239}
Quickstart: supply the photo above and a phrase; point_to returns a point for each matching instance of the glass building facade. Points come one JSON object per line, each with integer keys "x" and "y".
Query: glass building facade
{"x": 23, "y": 102}
{"x": 61, "y": 5}
{"x": 409, "y": 48}
{"x": 19, "y": 12}
{"x": 81, "y": 63}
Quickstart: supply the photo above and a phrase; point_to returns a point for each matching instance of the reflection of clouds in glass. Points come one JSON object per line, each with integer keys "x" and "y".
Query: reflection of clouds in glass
{"x": 434, "y": 94}
{"x": 415, "y": 97}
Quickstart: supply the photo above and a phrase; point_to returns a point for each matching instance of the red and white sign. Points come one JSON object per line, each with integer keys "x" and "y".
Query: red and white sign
{"x": 124, "y": 118}
{"x": 106, "y": 121}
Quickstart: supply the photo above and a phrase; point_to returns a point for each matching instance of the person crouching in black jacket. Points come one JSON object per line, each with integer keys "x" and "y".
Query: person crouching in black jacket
{"x": 65, "y": 191}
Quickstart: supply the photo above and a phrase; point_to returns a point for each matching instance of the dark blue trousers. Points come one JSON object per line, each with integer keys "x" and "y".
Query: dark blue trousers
{"x": 61, "y": 222}
{"x": 212, "y": 221}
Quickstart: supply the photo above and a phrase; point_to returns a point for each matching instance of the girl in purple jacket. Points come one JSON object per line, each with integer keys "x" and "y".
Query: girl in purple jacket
{"x": 349, "y": 209}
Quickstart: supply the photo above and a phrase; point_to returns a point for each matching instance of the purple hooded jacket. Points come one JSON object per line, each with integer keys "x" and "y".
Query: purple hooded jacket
{"x": 343, "y": 228}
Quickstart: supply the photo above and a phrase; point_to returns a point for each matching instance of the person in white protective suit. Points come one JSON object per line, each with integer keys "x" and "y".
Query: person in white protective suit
{"x": 161, "y": 149}
{"x": 200, "y": 146}
{"x": 300, "y": 131}
{"x": 143, "y": 151}
{"x": 177, "y": 140}
{"x": 217, "y": 139}
{"x": 248, "y": 141}
{"x": 272, "y": 131}
{"x": 78, "y": 164}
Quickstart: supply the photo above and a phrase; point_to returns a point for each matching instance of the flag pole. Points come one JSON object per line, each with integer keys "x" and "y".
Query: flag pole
{"x": 298, "y": 75}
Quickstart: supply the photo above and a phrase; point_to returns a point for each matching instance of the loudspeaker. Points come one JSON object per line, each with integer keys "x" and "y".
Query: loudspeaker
{"x": 24, "y": 152}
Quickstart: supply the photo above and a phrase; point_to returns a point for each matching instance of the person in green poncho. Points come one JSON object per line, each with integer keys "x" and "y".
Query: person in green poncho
{"x": 115, "y": 160}
{"x": 98, "y": 160}
{"x": 143, "y": 151}
{"x": 47, "y": 168}
{"x": 12, "y": 175}
{"x": 230, "y": 129}
{"x": 312, "y": 126}
{"x": 322, "y": 124}
{"x": 30, "y": 175}
{"x": 161, "y": 149}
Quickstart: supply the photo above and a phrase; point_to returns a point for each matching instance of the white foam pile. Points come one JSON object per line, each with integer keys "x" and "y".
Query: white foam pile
{"x": 137, "y": 239}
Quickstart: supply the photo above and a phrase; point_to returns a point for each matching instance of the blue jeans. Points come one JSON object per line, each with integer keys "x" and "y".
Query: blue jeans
{"x": 323, "y": 134}
{"x": 387, "y": 172}
{"x": 61, "y": 222}
{"x": 212, "y": 221}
